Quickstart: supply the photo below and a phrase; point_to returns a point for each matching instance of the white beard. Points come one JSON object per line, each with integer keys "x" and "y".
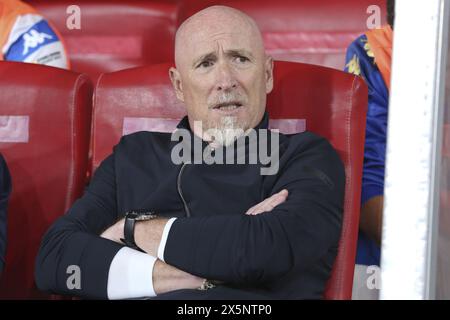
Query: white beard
{"x": 225, "y": 132}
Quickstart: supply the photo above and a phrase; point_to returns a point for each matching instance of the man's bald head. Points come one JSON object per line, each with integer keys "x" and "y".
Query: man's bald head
{"x": 212, "y": 21}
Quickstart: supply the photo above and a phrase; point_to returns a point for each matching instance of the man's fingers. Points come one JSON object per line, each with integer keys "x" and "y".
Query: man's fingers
{"x": 257, "y": 208}
{"x": 114, "y": 232}
{"x": 260, "y": 207}
{"x": 278, "y": 198}
{"x": 269, "y": 203}
{"x": 249, "y": 211}
{"x": 253, "y": 209}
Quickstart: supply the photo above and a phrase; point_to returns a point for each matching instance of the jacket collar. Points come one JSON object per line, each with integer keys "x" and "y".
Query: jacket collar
{"x": 193, "y": 140}
{"x": 263, "y": 124}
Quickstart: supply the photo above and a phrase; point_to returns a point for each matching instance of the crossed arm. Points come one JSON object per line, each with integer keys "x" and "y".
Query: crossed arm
{"x": 148, "y": 235}
{"x": 259, "y": 247}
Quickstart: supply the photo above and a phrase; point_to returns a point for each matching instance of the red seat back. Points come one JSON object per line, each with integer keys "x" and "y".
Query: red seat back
{"x": 127, "y": 100}
{"x": 114, "y": 34}
{"x": 334, "y": 105}
{"x": 45, "y": 118}
{"x": 330, "y": 103}
{"x": 309, "y": 31}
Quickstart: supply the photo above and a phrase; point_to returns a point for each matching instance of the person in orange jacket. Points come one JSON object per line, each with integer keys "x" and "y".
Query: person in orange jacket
{"x": 25, "y": 36}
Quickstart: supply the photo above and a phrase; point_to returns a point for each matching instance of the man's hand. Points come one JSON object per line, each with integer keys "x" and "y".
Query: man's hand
{"x": 147, "y": 234}
{"x": 269, "y": 203}
{"x": 371, "y": 218}
{"x": 115, "y": 232}
{"x": 168, "y": 278}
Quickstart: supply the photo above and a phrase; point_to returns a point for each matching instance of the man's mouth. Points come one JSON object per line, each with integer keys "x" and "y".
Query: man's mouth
{"x": 228, "y": 106}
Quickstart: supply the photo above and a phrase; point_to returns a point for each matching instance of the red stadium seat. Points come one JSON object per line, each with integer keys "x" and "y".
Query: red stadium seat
{"x": 325, "y": 101}
{"x": 114, "y": 34}
{"x": 334, "y": 105}
{"x": 117, "y": 35}
{"x": 133, "y": 97}
{"x": 308, "y": 31}
{"x": 45, "y": 118}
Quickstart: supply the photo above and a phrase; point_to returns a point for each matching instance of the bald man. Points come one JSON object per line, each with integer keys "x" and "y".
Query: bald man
{"x": 152, "y": 226}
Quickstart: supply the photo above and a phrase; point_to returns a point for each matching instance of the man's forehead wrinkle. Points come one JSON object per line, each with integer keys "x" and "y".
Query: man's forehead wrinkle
{"x": 218, "y": 45}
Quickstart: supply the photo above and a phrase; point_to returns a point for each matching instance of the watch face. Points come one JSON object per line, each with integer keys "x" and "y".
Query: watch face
{"x": 145, "y": 217}
{"x": 140, "y": 215}
{"x": 132, "y": 215}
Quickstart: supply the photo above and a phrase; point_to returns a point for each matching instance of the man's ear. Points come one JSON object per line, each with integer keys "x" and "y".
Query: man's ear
{"x": 269, "y": 74}
{"x": 176, "y": 82}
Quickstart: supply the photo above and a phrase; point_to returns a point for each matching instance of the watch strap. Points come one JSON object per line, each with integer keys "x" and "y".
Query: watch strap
{"x": 128, "y": 233}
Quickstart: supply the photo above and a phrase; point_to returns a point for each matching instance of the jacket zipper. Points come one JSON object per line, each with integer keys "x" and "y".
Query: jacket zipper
{"x": 186, "y": 208}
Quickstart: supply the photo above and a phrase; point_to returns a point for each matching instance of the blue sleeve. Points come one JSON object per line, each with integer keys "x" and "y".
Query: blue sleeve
{"x": 359, "y": 61}
{"x": 5, "y": 190}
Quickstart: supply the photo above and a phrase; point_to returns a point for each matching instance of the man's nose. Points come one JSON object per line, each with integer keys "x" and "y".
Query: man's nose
{"x": 225, "y": 78}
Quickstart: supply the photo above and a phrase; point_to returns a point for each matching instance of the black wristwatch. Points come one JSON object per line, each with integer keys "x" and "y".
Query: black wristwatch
{"x": 130, "y": 220}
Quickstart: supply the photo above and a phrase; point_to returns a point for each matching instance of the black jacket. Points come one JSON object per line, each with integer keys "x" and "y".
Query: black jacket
{"x": 285, "y": 253}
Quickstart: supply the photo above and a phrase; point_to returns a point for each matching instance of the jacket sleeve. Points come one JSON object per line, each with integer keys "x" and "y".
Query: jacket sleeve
{"x": 243, "y": 249}
{"x": 73, "y": 241}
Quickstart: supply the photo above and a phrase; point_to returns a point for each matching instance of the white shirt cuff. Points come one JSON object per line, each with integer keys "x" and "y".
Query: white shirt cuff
{"x": 131, "y": 275}
{"x": 165, "y": 235}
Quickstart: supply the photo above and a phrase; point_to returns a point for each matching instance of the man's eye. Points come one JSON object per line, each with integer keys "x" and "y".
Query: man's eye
{"x": 242, "y": 59}
{"x": 205, "y": 64}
